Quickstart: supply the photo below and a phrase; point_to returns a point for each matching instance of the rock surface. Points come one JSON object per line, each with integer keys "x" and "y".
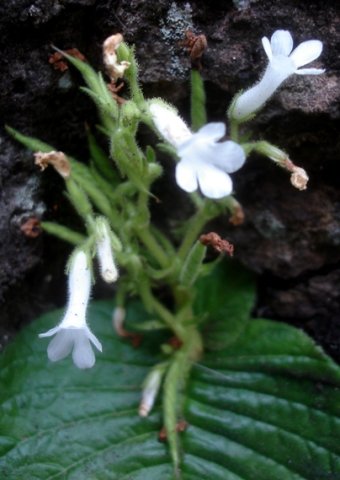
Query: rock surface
{"x": 290, "y": 238}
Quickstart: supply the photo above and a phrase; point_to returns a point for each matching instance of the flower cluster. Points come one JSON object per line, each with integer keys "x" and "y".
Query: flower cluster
{"x": 205, "y": 160}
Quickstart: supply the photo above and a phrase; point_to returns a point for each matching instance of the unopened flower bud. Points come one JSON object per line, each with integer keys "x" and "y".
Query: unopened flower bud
{"x": 118, "y": 318}
{"x": 108, "y": 268}
{"x": 57, "y": 159}
{"x": 150, "y": 391}
{"x": 168, "y": 123}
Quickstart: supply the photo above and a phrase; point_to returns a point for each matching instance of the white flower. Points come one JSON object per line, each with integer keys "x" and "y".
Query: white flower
{"x": 283, "y": 62}
{"x": 204, "y": 162}
{"x": 73, "y": 334}
{"x": 108, "y": 269}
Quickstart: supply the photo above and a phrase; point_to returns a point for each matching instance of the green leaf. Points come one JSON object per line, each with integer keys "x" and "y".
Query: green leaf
{"x": 63, "y": 232}
{"x": 225, "y": 300}
{"x": 32, "y": 143}
{"x": 59, "y": 422}
{"x": 266, "y": 408}
{"x": 101, "y": 160}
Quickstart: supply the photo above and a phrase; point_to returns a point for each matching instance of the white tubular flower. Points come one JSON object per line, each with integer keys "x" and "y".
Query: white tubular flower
{"x": 108, "y": 268}
{"x": 283, "y": 62}
{"x": 73, "y": 334}
{"x": 204, "y": 162}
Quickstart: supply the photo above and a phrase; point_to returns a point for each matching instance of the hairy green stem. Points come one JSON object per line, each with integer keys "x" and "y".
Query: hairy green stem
{"x": 153, "y": 247}
{"x": 198, "y": 111}
{"x": 234, "y": 132}
{"x": 174, "y": 386}
{"x": 152, "y": 304}
{"x": 195, "y": 226}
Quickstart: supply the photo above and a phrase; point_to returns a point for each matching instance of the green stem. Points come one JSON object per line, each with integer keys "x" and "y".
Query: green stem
{"x": 198, "y": 111}
{"x": 194, "y": 228}
{"x": 249, "y": 147}
{"x": 234, "y": 133}
{"x": 169, "y": 319}
{"x": 152, "y": 304}
{"x": 153, "y": 247}
{"x": 174, "y": 385}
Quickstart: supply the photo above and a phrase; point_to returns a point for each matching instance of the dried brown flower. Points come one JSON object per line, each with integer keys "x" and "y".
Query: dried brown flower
{"x": 299, "y": 178}
{"x": 57, "y": 159}
{"x": 213, "y": 240}
{"x": 114, "y": 68}
{"x": 59, "y": 62}
{"x": 196, "y": 46}
{"x": 181, "y": 426}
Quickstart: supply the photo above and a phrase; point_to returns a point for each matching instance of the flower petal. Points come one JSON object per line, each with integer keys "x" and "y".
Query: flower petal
{"x": 186, "y": 176}
{"x": 83, "y": 356}
{"x": 267, "y": 47}
{"x": 228, "y": 156}
{"x": 61, "y": 345}
{"x": 281, "y": 43}
{"x": 310, "y": 71}
{"x": 214, "y": 183}
{"x": 50, "y": 332}
{"x": 94, "y": 340}
{"x": 212, "y": 131}
{"x": 306, "y": 52}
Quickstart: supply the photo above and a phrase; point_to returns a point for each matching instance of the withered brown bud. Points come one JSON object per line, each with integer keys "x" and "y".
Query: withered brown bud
{"x": 299, "y": 178}
{"x": 118, "y": 318}
{"x": 237, "y": 216}
{"x": 114, "y": 68}
{"x": 181, "y": 426}
{"x": 59, "y": 62}
{"x": 213, "y": 240}
{"x": 57, "y": 159}
{"x": 196, "y": 46}
{"x": 31, "y": 228}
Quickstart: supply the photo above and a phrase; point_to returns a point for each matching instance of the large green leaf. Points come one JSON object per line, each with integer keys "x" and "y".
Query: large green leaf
{"x": 266, "y": 408}
{"x": 225, "y": 300}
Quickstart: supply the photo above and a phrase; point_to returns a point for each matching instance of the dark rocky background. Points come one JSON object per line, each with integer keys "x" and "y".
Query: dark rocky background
{"x": 290, "y": 238}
